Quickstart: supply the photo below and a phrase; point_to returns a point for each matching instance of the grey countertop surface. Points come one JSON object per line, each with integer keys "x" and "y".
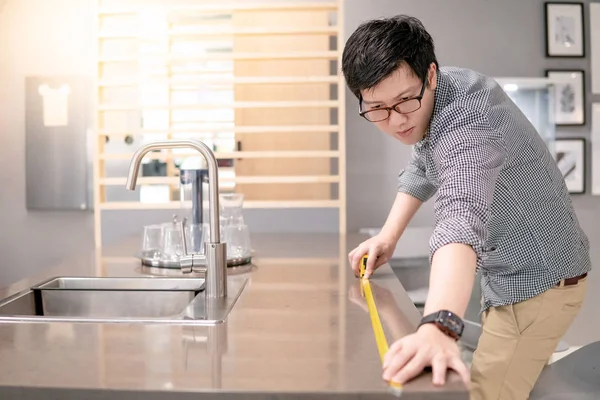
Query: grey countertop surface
{"x": 299, "y": 330}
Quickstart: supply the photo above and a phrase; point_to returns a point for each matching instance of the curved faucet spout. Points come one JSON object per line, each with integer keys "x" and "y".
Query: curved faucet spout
{"x": 213, "y": 178}
{"x": 215, "y": 251}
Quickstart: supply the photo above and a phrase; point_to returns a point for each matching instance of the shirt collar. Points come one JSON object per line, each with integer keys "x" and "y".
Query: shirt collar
{"x": 440, "y": 100}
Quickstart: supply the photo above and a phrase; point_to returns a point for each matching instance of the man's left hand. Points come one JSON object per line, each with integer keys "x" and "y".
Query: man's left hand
{"x": 408, "y": 357}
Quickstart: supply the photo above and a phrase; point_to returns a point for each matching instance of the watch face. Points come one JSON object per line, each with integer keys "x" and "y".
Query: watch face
{"x": 451, "y": 323}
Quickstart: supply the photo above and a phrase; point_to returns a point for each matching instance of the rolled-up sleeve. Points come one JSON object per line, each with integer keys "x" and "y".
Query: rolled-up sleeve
{"x": 413, "y": 181}
{"x": 469, "y": 159}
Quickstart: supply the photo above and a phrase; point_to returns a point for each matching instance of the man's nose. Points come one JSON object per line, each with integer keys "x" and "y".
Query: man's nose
{"x": 397, "y": 119}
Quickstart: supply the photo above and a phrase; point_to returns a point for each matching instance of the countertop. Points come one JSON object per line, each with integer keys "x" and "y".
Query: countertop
{"x": 299, "y": 330}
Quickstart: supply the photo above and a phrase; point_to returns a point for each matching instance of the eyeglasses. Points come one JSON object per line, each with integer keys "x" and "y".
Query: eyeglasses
{"x": 403, "y": 107}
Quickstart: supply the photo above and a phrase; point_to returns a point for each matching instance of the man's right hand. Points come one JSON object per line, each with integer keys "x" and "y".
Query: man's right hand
{"x": 379, "y": 249}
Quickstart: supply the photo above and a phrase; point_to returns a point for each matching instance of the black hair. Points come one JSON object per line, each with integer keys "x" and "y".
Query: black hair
{"x": 378, "y": 47}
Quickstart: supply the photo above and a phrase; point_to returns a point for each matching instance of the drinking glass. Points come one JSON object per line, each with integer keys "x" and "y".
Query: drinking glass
{"x": 151, "y": 241}
{"x": 172, "y": 244}
{"x": 231, "y": 208}
{"x": 237, "y": 238}
{"x": 195, "y": 235}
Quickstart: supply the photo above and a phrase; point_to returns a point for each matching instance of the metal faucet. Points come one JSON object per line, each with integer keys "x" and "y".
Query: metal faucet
{"x": 215, "y": 260}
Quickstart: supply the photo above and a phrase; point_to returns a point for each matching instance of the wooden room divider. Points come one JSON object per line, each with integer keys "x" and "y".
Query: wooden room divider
{"x": 259, "y": 83}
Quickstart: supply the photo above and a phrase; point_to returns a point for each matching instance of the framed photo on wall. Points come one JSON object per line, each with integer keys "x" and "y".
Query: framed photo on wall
{"x": 564, "y": 29}
{"x": 594, "y": 38}
{"x": 595, "y": 149}
{"x": 570, "y": 157}
{"x": 569, "y": 106}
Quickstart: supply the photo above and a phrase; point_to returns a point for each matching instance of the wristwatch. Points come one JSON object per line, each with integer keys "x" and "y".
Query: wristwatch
{"x": 447, "y": 322}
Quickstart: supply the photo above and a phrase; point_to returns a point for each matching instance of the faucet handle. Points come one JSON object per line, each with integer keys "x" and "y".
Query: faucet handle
{"x": 192, "y": 263}
{"x": 188, "y": 262}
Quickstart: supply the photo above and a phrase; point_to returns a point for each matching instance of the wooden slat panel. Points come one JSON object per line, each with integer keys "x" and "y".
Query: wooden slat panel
{"x": 190, "y": 82}
{"x": 220, "y": 8}
{"x": 258, "y": 68}
{"x": 238, "y": 104}
{"x": 237, "y": 154}
{"x": 203, "y": 32}
{"x": 307, "y": 55}
{"x": 176, "y": 205}
{"x": 236, "y": 129}
{"x": 174, "y": 180}
{"x": 259, "y": 30}
{"x": 285, "y": 79}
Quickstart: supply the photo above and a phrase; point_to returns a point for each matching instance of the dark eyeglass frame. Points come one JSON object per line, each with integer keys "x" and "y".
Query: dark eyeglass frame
{"x": 393, "y": 107}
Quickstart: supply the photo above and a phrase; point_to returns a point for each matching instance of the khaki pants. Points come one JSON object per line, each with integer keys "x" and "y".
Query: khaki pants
{"x": 518, "y": 340}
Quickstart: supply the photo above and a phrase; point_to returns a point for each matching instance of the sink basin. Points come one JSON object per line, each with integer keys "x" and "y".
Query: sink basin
{"x": 170, "y": 300}
{"x": 122, "y": 284}
{"x": 115, "y": 297}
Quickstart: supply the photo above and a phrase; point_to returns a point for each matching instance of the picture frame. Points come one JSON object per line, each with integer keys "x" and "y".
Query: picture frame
{"x": 594, "y": 38}
{"x": 565, "y": 29}
{"x": 570, "y": 96}
{"x": 595, "y": 149}
{"x": 571, "y": 160}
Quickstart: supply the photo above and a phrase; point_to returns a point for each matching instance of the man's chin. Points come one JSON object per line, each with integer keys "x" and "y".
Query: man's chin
{"x": 409, "y": 140}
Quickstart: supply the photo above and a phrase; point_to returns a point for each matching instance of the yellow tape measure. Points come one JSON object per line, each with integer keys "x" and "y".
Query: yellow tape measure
{"x": 382, "y": 344}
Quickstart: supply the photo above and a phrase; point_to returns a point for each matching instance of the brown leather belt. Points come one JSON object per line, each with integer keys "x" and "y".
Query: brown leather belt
{"x": 571, "y": 281}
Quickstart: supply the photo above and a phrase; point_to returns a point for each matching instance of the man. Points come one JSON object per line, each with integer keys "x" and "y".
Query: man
{"x": 501, "y": 208}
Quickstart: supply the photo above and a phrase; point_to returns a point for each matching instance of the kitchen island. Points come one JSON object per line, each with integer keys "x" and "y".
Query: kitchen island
{"x": 299, "y": 330}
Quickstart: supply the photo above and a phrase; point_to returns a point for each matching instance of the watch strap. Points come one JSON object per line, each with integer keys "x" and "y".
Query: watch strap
{"x": 448, "y": 322}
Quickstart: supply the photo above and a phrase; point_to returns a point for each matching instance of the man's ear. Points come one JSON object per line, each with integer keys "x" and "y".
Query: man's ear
{"x": 432, "y": 77}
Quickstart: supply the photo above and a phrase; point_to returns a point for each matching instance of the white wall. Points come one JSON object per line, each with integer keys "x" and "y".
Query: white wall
{"x": 37, "y": 37}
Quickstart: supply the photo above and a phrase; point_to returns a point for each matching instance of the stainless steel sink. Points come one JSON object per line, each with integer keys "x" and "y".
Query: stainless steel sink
{"x": 115, "y": 297}
{"x": 167, "y": 300}
{"x": 125, "y": 284}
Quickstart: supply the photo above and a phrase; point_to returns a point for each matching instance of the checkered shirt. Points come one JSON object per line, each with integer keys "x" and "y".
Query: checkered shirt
{"x": 497, "y": 188}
